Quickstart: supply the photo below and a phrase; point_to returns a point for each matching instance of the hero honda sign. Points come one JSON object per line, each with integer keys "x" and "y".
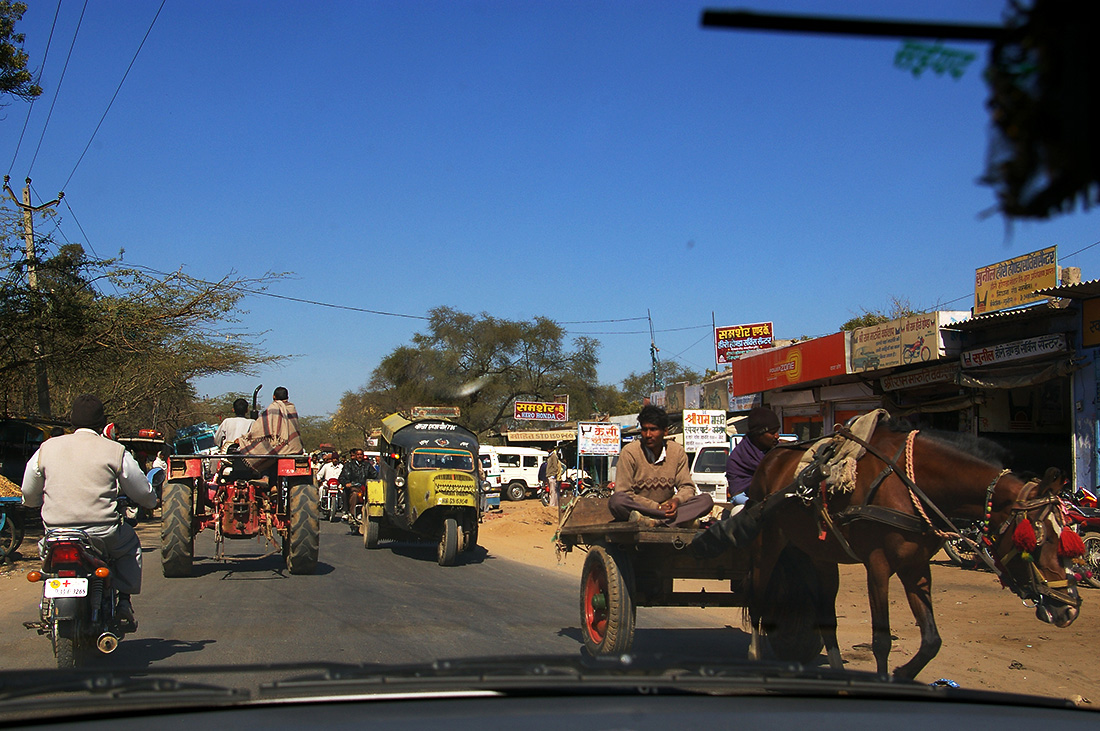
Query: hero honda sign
{"x": 539, "y": 411}
{"x": 732, "y": 341}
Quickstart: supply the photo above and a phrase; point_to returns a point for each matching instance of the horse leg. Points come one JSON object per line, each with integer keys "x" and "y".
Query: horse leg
{"x": 918, "y": 589}
{"x": 878, "y": 594}
{"x": 765, "y": 553}
{"x": 826, "y": 612}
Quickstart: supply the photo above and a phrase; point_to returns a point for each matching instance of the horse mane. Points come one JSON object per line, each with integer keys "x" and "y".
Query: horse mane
{"x": 980, "y": 448}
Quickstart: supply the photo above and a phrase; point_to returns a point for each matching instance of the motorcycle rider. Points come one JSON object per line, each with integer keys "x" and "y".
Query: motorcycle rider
{"x": 353, "y": 478}
{"x": 77, "y": 479}
{"x": 330, "y": 470}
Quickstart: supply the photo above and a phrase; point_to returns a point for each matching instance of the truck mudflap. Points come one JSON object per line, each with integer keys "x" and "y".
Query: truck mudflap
{"x": 376, "y": 498}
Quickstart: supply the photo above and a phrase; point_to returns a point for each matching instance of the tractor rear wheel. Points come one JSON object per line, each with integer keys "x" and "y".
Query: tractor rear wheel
{"x": 301, "y": 544}
{"x": 177, "y": 537}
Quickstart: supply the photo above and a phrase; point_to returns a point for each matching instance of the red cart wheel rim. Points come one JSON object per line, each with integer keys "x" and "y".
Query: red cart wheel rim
{"x": 595, "y": 620}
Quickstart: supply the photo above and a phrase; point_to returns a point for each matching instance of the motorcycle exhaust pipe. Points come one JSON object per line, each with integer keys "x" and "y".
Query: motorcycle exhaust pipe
{"x": 107, "y": 643}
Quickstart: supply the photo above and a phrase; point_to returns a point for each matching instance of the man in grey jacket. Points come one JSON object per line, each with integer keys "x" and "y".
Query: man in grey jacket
{"x": 77, "y": 479}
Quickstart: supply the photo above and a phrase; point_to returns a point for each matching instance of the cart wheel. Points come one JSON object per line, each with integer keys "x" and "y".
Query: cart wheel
{"x": 448, "y": 542}
{"x": 607, "y": 602}
{"x": 11, "y": 533}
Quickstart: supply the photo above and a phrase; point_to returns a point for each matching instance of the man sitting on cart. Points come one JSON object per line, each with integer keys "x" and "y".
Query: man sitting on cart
{"x": 652, "y": 482}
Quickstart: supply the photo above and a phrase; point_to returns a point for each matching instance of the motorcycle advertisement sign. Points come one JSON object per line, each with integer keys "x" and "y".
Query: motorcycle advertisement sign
{"x": 599, "y": 439}
{"x": 540, "y": 411}
{"x": 702, "y": 428}
{"x": 904, "y": 341}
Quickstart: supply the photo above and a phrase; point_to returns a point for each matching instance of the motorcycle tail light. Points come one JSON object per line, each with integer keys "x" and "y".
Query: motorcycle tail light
{"x": 34, "y": 576}
{"x": 67, "y": 572}
{"x": 65, "y": 553}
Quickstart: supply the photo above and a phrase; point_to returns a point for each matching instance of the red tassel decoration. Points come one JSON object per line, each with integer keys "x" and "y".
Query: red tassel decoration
{"x": 1024, "y": 536}
{"x": 1070, "y": 544}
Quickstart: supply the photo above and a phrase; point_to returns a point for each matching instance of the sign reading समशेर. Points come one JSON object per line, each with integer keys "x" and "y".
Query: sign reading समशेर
{"x": 599, "y": 438}
{"x": 1013, "y": 283}
{"x": 539, "y": 411}
{"x": 731, "y": 341}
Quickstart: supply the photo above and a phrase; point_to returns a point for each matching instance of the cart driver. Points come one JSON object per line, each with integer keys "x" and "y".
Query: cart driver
{"x": 652, "y": 483}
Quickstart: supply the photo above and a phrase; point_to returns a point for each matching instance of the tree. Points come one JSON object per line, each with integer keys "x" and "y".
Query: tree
{"x": 639, "y": 385}
{"x": 1044, "y": 80}
{"x": 482, "y": 364}
{"x": 139, "y": 349}
{"x": 899, "y": 308}
{"x": 15, "y": 79}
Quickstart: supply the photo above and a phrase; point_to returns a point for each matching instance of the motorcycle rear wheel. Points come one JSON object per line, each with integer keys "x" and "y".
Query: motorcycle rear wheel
{"x": 1092, "y": 557}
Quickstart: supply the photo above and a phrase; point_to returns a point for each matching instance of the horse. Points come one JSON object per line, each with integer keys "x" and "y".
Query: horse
{"x": 892, "y": 526}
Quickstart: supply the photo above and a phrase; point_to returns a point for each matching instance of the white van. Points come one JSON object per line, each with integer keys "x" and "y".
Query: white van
{"x": 708, "y": 470}
{"x": 518, "y": 468}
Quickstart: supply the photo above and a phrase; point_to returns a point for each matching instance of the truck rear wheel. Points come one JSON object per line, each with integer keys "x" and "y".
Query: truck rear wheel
{"x": 301, "y": 545}
{"x": 372, "y": 529}
{"x": 177, "y": 536}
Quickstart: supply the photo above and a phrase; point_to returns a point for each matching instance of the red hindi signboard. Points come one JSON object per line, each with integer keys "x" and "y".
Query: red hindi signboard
{"x": 539, "y": 411}
{"x": 732, "y": 341}
{"x": 809, "y": 360}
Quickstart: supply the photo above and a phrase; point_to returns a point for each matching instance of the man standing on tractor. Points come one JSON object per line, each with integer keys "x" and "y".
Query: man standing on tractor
{"x": 77, "y": 479}
{"x": 234, "y": 426}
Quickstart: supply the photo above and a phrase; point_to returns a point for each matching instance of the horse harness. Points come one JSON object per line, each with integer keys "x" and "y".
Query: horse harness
{"x": 811, "y": 488}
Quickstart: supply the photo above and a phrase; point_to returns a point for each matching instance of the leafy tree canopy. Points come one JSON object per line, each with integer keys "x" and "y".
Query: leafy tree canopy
{"x": 136, "y": 339}
{"x": 481, "y": 364}
{"x": 15, "y": 79}
{"x": 639, "y": 385}
{"x": 898, "y": 308}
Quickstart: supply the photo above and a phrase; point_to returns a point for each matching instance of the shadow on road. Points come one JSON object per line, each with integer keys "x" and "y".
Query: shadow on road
{"x": 722, "y": 643}
{"x": 249, "y": 568}
{"x": 428, "y": 552}
{"x": 143, "y": 651}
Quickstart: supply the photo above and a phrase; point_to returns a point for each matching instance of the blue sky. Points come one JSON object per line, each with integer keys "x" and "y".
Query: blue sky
{"x": 576, "y": 160}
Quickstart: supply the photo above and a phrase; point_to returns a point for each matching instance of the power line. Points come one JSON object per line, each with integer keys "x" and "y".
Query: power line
{"x": 57, "y": 89}
{"x": 30, "y": 106}
{"x": 115, "y": 95}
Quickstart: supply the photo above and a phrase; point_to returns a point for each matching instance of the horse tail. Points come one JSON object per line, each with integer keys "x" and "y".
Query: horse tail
{"x": 789, "y": 608}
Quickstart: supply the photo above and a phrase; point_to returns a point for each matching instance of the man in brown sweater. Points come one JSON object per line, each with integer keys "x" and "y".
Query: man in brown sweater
{"x": 652, "y": 483}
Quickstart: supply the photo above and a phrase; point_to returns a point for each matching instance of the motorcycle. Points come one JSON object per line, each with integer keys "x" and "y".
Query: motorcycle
{"x": 585, "y": 487}
{"x": 1082, "y": 515}
{"x": 331, "y": 500}
{"x": 77, "y": 611}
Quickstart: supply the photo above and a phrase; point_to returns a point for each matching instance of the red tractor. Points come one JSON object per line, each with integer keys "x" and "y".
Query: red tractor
{"x": 237, "y": 502}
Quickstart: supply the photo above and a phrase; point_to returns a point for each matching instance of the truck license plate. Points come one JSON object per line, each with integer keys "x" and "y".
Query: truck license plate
{"x": 57, "y": 588}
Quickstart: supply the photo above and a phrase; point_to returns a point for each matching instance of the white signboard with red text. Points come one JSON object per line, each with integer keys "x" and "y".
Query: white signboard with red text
{"x": 599, "y": 439}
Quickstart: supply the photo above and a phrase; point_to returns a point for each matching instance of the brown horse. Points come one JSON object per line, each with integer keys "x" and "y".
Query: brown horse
{"x": 885, "y": 525}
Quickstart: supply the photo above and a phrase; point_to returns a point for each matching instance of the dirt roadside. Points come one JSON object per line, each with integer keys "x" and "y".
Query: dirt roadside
{"x": 990, "y": 640}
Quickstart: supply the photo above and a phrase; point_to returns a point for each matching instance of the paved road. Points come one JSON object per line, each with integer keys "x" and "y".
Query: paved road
{"x": 392, "y": 604}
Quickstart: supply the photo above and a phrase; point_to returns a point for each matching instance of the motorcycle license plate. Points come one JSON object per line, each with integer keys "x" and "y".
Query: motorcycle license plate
{"x": 58, "y": 588}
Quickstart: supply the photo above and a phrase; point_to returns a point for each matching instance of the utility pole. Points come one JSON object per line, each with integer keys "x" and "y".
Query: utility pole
{"x": 32, "y": 282}
{"x": 658, "y": 382}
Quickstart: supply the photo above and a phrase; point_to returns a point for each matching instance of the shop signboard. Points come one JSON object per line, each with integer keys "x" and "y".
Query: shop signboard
{"x": 657, "y": 398}
{"x": 905, "y": 341}
{"x": 435, "y": 412}
{"x": 702, "y": 427}
{"x": 729, "y": 342}
{"x": 1090, "y": 323}
{"x": 540, "y": 411}
{"x": 693, "y": 397}
{"x": 716, "y": 395}
{"x": 542, "y": 435}
{"x": 674, "y": 397}
{"x": 1013, "y": 282}
{"x": 809, "y": 360}
{"x": 1016, "y": 350}
{"x": 942, "y": 373}
{"x": 598, "y": 439}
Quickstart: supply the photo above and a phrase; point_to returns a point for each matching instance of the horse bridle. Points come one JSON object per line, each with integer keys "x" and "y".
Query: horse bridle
{"x": 1038, "y": 588}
